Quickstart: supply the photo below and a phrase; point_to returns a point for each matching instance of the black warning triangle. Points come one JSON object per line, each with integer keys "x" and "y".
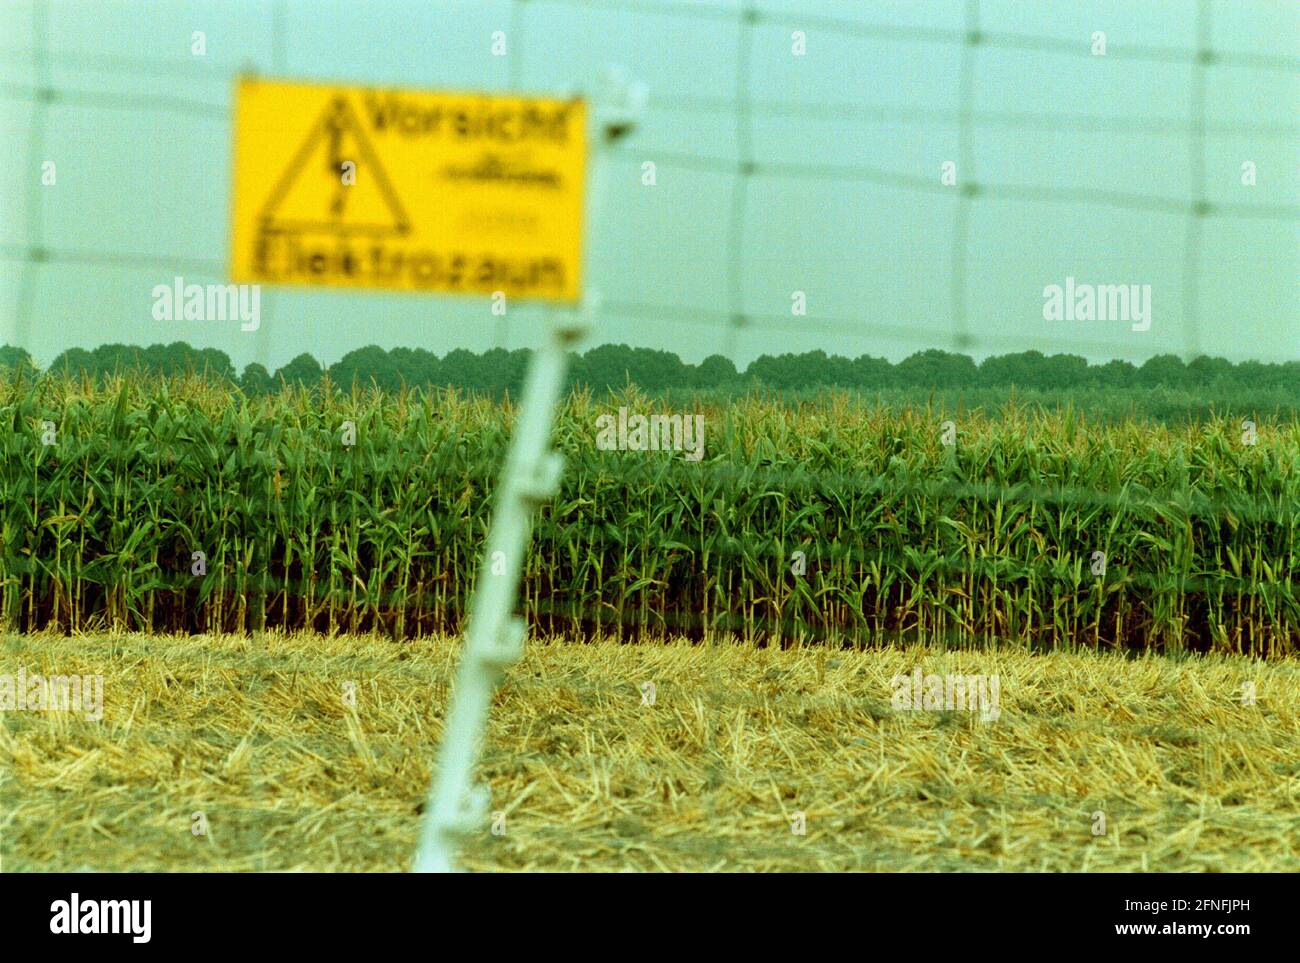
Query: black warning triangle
{"x": 310, "y": 195}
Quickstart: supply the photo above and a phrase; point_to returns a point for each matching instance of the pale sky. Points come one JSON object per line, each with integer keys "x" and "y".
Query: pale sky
{"x": 858, "y": 219}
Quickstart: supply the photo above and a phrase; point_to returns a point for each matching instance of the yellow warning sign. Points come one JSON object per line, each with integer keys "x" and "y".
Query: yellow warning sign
{"x": 408, "y": 190}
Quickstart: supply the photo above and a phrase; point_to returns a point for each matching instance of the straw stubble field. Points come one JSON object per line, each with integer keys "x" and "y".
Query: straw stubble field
{"x": 258, "y": 734}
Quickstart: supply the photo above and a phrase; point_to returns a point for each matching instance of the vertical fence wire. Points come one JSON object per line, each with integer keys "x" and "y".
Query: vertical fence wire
{"x": 279, "y": 66}
{"x": 1196, "y": 183}
{"x": 26, "y": 301}
{"x": 740, "y": 185}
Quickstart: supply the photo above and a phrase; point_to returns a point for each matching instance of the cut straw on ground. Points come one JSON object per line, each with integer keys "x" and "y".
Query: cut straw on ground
{"x": 305, "y": 752}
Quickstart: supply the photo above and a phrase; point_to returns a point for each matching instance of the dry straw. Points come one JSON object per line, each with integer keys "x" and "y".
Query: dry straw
{"x": 257, "y": 734}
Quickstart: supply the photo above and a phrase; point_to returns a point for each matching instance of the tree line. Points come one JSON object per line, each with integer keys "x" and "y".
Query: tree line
{"x": 612, "y": 366}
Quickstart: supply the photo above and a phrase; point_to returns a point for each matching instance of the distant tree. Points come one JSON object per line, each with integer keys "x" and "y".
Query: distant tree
{"x": 1025, "y": 369}
{"x": 212, "y": 362}
{"x": 1113, "y": 374}
{"x": 655, "y": 370}
{"x": 16, "y": 359}
{"x": 1063, "y": 371}
{"x": 1162, "y": 369}
{"x": 256, "y": 380}
{"x": 607, "y": 367}
{"x": 1033, "y": 369}
{"x": 177, "y": 358}
{"x": 116, "y": 358}
{"x": 157, "y": 359}
{"x": 502, "y": 371}
{"x": 612, "y": 366}
{"x": 464, "y": 370}
{"x": 817, "y": 369}
{"x": 937, "y": 369}
{"x": 871, "y": 374}
{"x": 73, "y": 361}
{"x": 364, "y": 367}
{"x": 832, "y": 370}
{"x": 1202, "y": 372}
{"x": 302, "y": 370}
{"x": 1289, "y": 376}
{"x": 778, "y": 371}
{"x": 715, "y": 371}
{"x": 416, "y": 366}
{"x": 576, "y": 373}
{"x": 1258, "y": 374}
{"x": 106, "y": 359}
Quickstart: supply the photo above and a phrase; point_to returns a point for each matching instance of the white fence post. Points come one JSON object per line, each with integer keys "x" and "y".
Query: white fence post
{"x": 494, "y": 637}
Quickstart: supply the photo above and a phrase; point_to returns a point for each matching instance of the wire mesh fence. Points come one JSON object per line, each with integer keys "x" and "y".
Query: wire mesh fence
{"x": 733, "y": 313}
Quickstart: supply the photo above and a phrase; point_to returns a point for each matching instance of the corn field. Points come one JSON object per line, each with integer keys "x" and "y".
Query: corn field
{"x": 173, "y": 505}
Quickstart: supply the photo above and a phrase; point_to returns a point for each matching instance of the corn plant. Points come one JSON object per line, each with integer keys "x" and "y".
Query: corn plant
{"x": 301, "y": 526}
